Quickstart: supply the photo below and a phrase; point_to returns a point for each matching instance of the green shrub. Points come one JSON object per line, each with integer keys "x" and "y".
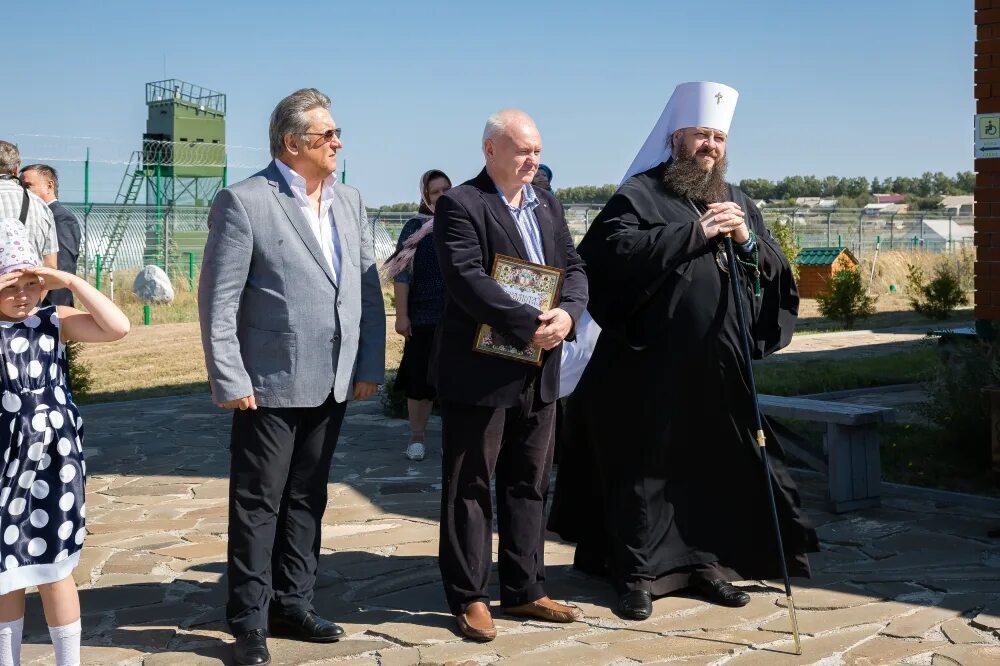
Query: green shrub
{"x": 80, "y": 376}
{"x": 392, "y": 397}
{"x": 782, "y": 232}
{"x": 846, "y": 299}
{"x": 937, "y": 298}
{"x": 958, "y": 404}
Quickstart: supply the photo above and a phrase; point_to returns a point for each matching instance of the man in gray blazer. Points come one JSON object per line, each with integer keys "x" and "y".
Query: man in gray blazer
{"x": 293, "y": 326}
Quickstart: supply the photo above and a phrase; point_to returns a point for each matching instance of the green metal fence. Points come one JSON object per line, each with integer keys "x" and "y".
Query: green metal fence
{"x": 173, "y": 238}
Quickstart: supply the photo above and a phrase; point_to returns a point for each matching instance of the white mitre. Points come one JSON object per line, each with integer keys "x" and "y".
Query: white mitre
{"x": 693, "y": 104}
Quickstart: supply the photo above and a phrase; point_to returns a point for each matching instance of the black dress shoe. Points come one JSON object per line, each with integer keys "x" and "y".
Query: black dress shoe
{"x": 305, "y": 626}
{"x": 721, "y": 592}
{"x": 636, "y": 605}
{"x": 250, "y": 649}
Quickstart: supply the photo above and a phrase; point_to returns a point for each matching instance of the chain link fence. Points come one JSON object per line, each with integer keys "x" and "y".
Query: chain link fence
{"x": 854, "y": 228}
{"x": 173, "y": 238}
{"x": 860, "y": 231}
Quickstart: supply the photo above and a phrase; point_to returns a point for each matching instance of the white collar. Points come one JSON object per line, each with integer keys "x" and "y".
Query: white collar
{"x": 297, "y": 182}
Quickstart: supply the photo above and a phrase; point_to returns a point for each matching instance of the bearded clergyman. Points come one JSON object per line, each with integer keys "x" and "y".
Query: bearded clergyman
{"x": 660, "y": 482}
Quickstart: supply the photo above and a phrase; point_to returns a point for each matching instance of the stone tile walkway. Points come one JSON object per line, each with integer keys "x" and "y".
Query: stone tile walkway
{"x": 856, "y": 344}
{"x": 912, "y": 582}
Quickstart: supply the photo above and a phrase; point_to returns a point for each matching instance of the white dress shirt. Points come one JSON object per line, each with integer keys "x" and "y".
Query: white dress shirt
{"x": 322, "y": 225}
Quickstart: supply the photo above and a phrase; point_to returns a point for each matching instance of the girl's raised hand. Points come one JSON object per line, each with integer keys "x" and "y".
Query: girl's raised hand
{"x": 52, "y": 278}
{"x": 9, "y": 279}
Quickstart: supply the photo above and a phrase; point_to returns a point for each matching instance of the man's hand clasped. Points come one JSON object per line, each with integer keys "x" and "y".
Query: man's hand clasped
{"x": 555, "y": 326}
{"x": 725, "y": 218}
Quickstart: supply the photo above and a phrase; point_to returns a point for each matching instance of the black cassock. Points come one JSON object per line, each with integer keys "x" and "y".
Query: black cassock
{"x": 659, "y": 469}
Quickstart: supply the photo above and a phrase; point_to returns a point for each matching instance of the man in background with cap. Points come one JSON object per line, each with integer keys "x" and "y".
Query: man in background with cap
{"x": 660, "y": 485}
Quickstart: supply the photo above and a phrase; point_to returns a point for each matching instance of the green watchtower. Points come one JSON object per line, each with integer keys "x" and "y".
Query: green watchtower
{"x": 182, "y": 163}
{"x": 184, "y": 147}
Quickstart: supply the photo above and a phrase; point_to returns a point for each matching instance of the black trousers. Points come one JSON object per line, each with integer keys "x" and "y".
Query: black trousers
{"x": 279, "y": 468}
{"x": 515, "y": 445}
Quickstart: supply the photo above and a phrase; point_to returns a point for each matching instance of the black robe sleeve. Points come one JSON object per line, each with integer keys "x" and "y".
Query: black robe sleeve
{"x": 628, "y": 259}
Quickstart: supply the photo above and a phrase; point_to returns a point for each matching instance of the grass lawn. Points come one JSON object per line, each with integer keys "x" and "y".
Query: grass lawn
{"x": 166, "y": 359}
{"x": 821, "y": 376}
{"x": 162, "y": 360}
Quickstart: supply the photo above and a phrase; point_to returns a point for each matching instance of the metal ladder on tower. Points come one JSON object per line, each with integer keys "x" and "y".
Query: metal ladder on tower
{"x": 128, "y": 194}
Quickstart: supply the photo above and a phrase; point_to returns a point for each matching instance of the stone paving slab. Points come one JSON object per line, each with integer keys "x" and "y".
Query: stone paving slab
{"x": 915, "y": 581}
{"x": 853, "y": 344}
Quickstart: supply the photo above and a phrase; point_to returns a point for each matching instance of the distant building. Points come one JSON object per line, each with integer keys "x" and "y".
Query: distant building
{"x": 815, "y": 202}
{"x": 885, "y": 208}
{"x": 889, "y": 198}
{"x": 959, "y": 206}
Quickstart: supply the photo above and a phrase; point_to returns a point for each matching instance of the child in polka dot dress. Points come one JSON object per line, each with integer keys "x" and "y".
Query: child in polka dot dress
{"x": 42, "y": 503}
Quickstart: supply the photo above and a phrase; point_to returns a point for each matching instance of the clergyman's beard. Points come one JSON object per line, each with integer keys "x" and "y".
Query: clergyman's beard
{"x": 685, "y": 178}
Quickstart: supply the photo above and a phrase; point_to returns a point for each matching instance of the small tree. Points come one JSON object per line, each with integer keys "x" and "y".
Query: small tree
{"x": 782, "y": 232}
{"x": 392, "y": 396}
{"x": 846, "y": 299}
{"x": 937, "y": 298}
{"x": 80, "y": 378}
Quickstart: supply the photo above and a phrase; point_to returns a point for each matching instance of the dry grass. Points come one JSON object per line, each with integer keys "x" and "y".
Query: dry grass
{"x": 891, "y": 267}
{"x": 893, "y": 309}
{"x": 183, "y": 309}
{"x": 166, "y": 359}
{"x": 155, "y": 361}
{"x": 151, "y": 361}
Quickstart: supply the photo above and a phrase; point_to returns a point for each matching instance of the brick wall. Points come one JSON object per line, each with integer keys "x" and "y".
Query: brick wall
{"x": 987, "y": 221}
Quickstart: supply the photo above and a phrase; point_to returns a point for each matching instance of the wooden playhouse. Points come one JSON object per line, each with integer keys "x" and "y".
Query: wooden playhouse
{"x": 818, "y": 264}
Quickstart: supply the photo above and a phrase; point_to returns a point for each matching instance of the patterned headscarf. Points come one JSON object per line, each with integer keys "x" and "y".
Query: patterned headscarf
{"x": 402, "y": 258}
{"x": 16, "y": 251}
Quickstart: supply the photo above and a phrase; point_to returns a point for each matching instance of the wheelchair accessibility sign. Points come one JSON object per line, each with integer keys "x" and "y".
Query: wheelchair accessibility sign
{"x": 987, "y": 135}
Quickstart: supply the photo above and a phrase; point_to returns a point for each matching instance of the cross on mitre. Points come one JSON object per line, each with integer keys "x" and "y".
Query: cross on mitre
{"x": 718, "y": 98}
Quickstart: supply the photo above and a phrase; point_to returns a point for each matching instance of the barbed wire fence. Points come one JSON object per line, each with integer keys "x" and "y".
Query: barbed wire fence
{"x": 131, "y": 231}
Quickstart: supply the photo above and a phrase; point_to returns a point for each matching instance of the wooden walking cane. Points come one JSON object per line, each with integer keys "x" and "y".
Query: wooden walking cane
{"x": 734, "y": 282}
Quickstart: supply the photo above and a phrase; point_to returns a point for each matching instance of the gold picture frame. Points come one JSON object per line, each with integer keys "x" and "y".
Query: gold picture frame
{"x": 533, "y": 284}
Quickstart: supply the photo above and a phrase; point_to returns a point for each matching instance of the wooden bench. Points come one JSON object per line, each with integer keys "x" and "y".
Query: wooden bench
{"x": 853, "y": 467}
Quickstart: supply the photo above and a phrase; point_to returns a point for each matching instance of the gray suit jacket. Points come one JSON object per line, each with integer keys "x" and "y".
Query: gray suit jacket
{"x": 274, "y": 321}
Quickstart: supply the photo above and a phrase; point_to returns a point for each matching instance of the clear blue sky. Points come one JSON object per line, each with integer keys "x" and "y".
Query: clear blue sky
{"x": 852, "y": 87}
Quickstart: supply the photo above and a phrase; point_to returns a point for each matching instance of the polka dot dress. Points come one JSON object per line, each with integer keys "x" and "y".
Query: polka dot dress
{"x": 42, "y": 484}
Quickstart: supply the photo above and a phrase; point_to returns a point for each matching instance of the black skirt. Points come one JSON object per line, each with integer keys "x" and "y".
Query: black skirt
{"x": 412, "y": 375}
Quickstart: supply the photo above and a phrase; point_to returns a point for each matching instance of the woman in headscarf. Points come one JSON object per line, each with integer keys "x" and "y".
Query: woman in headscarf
{"x": 419, "y": 290}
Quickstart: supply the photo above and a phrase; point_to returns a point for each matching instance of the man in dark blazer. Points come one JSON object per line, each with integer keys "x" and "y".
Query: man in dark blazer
{"x": 43, "y": 180}
{"x": 498, "y": 414}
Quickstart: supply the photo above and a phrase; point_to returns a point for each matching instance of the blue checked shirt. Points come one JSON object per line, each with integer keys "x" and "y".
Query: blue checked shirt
{"x": 527, "y": 223}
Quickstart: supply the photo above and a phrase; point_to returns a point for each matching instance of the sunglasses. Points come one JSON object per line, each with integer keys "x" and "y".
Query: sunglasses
{"x": 328, "y": 135}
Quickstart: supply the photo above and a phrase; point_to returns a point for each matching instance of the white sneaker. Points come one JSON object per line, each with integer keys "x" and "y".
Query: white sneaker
{"x": 415, "y": 451}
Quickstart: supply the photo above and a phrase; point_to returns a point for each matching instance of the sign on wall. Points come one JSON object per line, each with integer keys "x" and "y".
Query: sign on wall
{"x": 987, "y": 135}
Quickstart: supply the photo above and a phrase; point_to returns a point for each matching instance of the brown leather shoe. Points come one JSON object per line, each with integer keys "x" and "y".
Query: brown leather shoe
{"x": 548, "y": 610}
{"x": 477, "y": 623}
